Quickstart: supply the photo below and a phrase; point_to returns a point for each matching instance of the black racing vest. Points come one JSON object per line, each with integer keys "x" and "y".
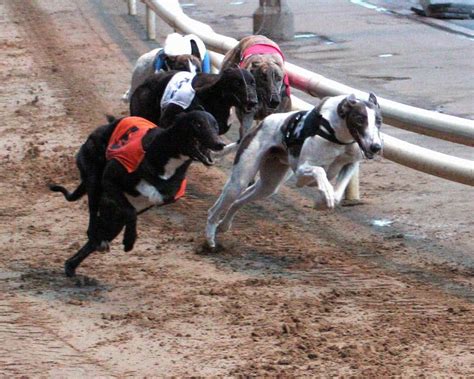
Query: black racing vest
{"x": 305, "y": 124}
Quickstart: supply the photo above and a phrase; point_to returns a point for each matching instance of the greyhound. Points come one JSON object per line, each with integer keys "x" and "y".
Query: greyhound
{"x": 164, "y": 95}
{"x": 141, "y": 161}
{"x": 264, "y": 59}
{"x": 181, "y": 53}
{"x": 319, "y": 145}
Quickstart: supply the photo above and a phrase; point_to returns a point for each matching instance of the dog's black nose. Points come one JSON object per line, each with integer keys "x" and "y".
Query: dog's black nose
{"x": 375, "y": 148}
{"x": 274, "y": 103}
{"x": 252, "y": 103}
{"x": 218, "y": 146}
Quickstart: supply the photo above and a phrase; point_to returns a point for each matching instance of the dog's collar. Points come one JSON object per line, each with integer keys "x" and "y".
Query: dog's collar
{"x": 306, "y": 124}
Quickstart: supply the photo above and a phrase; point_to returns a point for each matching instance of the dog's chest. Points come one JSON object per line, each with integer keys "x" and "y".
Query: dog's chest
{"x": 149, "y": 194}
{"x": 171, "y": 166}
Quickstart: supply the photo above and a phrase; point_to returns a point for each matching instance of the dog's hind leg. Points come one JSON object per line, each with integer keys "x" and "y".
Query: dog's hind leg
{"x": 237, "y": 183}
{"x": 130, "y": 234}
{"x": 272, "y": 175}
{"x": 73, "y": 262}
{"x": 246, "y": 166}
{"x": 118, "y": 212}
{"x": 94, "y": 192}
{"x": 229, "y": 194}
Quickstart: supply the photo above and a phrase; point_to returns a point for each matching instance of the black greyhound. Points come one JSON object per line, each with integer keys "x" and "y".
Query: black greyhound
{"x": 155, "y": 170}
{"x": 215, "y": 93}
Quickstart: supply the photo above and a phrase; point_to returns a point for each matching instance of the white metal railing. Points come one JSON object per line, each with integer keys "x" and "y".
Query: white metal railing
{"x": 450, "y": 128}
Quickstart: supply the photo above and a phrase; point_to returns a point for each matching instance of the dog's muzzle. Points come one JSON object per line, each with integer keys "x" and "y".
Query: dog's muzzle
{"x": 373, "y": 150}
{"x": 251, "y": 105}
{"x": 203, "y": 153}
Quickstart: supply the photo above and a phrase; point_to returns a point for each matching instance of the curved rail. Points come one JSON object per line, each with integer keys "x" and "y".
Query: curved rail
{"x": 434, "y": 124}
{"x": 451, "y": 128}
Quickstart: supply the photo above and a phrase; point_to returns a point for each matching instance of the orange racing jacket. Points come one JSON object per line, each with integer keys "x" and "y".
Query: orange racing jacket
{"x": 125, "y": 146}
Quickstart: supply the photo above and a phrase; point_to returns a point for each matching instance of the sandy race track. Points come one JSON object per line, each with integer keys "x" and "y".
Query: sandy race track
{"x": 294, "y": 292}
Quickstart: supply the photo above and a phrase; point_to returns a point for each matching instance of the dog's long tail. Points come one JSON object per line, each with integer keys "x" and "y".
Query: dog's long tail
{"x": 70, "y": 196}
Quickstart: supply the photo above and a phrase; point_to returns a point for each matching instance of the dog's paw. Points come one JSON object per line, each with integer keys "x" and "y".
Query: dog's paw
{"x": 103, "y": 246}
{"x": 128, "y": 246}
{"x": 322, "y": 202}
{"x": 129, "y": 238}
{"x": 69, "y": 269}
{"x": 128, "y": 243}
{"x": 205, "y": 248}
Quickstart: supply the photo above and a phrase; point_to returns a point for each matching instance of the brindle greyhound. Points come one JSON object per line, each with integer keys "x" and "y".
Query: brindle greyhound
{"x": 142, "y": 161}
{"x": 166, "y": 94}
{"x": 181, "y": 53}
{"x": 264, "y": 59}
{"x": 318, "y": 146}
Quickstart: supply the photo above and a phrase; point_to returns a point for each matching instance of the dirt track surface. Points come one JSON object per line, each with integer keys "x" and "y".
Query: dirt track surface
{"x": 294, "y": 292}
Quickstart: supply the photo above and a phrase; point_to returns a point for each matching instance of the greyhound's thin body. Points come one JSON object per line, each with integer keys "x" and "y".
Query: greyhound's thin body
{"x": 345, "y": 129}
{"x": 154, "y": 170}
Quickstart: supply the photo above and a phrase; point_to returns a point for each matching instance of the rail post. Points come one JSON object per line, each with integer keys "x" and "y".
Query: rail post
{"x": 150, "y": 23}
{"x": 132, "y": 7}
{"x": 274, "y": 19}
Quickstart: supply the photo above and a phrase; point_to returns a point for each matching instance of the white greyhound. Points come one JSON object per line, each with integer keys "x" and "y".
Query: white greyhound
{"x": 318, "y": 145}
{"x": 182, "y": 53}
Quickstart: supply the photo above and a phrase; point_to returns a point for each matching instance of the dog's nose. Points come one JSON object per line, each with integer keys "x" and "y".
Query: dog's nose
{"x": 274, "y": 103}
{"x": 375, "y": 148}
{"x": 218, "y": 146}
{"x": 252, "y": 103}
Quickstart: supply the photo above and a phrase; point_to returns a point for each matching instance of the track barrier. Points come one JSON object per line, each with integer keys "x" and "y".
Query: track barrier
{"x": 417, "y": 120}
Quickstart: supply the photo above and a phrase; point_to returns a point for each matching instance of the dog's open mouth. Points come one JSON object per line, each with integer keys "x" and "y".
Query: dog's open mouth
{"x": 249, "y": 107}
{"x": 368, "y": 154}
{"x": 203, "y": 155}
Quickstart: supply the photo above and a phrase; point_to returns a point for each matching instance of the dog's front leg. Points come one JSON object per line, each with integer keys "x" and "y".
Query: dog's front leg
{"x": 309, "y": 175}
{"x": 228, "y": 149}
{"x": 343, "y": 179}
{"x": 116, "y": 211}
{"x": 229, "y": 194}
{"x": 246, "y": 121}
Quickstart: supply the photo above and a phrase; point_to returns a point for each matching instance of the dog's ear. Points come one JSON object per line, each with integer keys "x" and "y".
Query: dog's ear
{"x": 346, "y": 105}
{"x": 373, "y": 99}
{"x": 195, "y": 49}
